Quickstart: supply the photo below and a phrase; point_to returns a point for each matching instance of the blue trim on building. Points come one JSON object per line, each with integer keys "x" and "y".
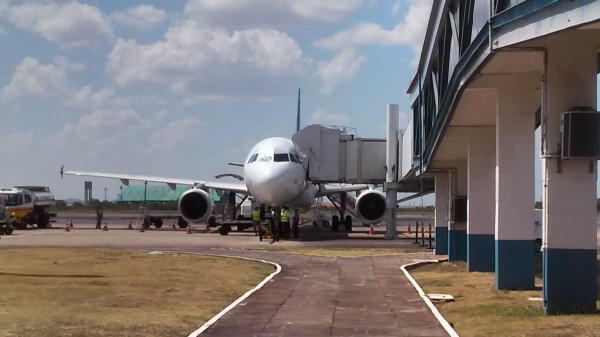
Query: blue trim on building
{"x": 441, "y": 241}
{"x": 515, "y": 264}
{"x": 457, "y": 245}
{"x": 570, "y": 281}
{"x": 481, "y": 252}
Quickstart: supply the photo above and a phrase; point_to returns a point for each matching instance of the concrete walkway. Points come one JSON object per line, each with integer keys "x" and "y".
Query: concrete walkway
{"x": 329, "y": 296}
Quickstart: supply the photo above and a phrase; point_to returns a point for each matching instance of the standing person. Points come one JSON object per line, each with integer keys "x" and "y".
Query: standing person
{"x": 99, "y": 215}
{"x": 295, "y": 223}
{"x": 255, "y": 219}
{"x": 285, "y": 222}
{"x": 276, "y": 229}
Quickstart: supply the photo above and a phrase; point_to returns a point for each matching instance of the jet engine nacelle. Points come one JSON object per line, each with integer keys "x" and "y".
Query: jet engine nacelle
{"x": 195, "y": 205}
{"x": 370, "y": 206}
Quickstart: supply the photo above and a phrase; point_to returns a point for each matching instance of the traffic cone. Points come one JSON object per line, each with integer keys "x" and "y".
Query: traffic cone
{"x": 71, "y": 223}
{"x": 408, "y": 230}
{"x": 129, "y": 227}
{"x": 189, "y": 231}
{"x": 105, "y": 228}
{"x": 142, "y": 227}
{"x": 67, "y": 229}
{"x": 173, "y": 226}
{"x": 371, "y": 232}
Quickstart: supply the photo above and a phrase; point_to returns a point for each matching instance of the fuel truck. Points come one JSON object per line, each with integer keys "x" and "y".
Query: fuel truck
{"x": 28, "y": 205}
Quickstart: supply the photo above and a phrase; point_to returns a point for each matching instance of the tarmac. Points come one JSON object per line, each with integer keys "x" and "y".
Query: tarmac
{"x": 311, "y": 296}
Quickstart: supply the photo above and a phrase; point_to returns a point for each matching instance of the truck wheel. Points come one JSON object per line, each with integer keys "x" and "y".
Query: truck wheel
{"x": 181, "y": 223}
{"x": 225, "y": 229}
{"x": 8, "y": 229}
{"x": 158, "y": 222}
{"x": 23, "y": 224}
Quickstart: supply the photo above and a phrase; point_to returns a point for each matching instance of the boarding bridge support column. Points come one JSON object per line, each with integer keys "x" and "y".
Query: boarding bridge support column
{"x": 569, "y": 191}
{"x": 391, "y": 167}
{"x": 457, "y": 226}
{"x": 481, "y": 200}
{"x": 515, "y": 246}
{"x": 442, "y": 212}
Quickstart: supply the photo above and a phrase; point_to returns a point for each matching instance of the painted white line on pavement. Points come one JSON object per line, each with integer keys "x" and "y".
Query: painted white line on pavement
{"x": 432, "y": 307}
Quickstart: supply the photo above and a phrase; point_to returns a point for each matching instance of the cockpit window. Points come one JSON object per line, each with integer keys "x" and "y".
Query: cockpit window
{"x": 281, "y": 157}
{"x": 264, "y": 157}
{"x": 252, "y": 158}
{"x": 294, "y": 158}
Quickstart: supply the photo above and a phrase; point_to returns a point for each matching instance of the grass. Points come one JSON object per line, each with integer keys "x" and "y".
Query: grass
{"x": 103, "y": 292}
{"x": 479, "y": 310}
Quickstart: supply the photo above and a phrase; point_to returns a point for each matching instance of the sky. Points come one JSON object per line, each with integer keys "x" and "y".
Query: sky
{"x": 180, "y": 88}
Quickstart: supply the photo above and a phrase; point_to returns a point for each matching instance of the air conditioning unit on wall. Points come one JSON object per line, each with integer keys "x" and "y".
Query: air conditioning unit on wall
{"x": 580, "y": 131}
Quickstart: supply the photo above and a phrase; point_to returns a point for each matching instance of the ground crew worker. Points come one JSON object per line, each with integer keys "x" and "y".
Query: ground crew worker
{"x": 285, "y": 222}
{"x": 276, "y": 229}
{"x": 99, "y": 215}
{"x": 295, "y": 223}
{"x": 255, "y": 219}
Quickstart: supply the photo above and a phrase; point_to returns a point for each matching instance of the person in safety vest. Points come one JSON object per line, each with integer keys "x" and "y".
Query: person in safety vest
{"x": 255, "y": 219}
{"x": 285, "y": 222}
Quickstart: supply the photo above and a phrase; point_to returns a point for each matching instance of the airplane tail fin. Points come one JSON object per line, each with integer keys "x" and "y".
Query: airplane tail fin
{"x": 298, "y": 113}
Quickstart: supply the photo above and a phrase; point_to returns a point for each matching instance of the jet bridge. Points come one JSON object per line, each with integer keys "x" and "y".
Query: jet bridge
{"x": 331, "y": 156}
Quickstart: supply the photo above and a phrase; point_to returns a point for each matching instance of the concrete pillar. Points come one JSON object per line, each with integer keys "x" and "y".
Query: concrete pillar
{"x": 442, "y": 208}
{"x": 457, "y": 224}
{"x": 569, "y": 189}
{"x": 515, "y": 245}
{"x": 481, "y": 221}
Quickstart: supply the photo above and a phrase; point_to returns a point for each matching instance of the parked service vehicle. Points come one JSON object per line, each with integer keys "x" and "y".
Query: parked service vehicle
{"x": 5, "y": 226}
{"x": 27, "y": 205}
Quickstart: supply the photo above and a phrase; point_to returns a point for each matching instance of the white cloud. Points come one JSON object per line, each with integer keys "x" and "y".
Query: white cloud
{"x": 239, "y": 14}
{"x": 32, "y": 79}
{"x": 410, "y": 31}
{"x": 327, "y": 118}
{"x": 69, "y": 24}
{"x": 208, "y": 63}
{"x": 140, "y": 17}
{"x": 343, "y": 67}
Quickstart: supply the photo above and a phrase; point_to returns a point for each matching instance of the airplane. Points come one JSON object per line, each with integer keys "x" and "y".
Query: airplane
{"x": 273, "y": 175}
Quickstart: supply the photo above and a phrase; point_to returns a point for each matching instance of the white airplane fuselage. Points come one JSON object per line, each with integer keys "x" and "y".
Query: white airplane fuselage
{"x": 274, "y": 175}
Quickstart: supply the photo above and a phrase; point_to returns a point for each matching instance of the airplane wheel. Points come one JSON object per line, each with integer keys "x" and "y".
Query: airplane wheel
{"x": 348, "y": 223}
{"x": 181, "y": 222}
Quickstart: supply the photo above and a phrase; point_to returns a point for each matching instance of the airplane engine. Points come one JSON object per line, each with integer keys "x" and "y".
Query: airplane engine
{"x": 195, "y": 205}
{"x": 370, "y": 206}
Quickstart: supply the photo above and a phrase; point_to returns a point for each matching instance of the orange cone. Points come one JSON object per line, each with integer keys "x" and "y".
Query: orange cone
{"x": 129, "y": 227}
{"x": 371, "y": 232}
{"x": 409, "y": 231}
{"x": 105, "y": 228}
{"x": 189, "y": 231}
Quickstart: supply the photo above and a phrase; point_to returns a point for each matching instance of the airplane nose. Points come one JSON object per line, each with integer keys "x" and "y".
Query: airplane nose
{"x": 276, "y": 187}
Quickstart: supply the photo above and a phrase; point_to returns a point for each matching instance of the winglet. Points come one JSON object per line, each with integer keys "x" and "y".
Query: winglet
{"x": 62, "y": 171}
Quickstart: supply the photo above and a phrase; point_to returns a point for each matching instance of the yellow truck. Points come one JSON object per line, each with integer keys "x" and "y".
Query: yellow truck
{"x": 27, "y": 205}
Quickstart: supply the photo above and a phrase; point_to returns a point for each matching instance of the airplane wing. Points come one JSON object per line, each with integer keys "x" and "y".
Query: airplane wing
{"x": 171, "y": 182}
{"x": 329, "y": 189}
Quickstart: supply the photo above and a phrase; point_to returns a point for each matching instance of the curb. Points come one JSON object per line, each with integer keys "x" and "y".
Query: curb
{"x": 241, "y": 298}
{"x": 426, "y": 299}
